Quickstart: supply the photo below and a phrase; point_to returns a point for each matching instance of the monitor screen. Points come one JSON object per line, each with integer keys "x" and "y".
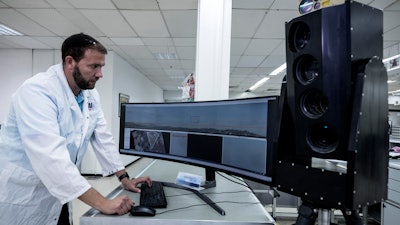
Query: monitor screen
{"x": 227, "y": 135}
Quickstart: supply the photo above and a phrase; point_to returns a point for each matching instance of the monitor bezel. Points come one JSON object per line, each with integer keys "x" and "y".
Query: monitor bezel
{"x": 270, "y": 140}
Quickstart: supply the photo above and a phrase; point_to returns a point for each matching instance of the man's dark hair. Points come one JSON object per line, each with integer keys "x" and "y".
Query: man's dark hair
{"x": 76, "y": 45}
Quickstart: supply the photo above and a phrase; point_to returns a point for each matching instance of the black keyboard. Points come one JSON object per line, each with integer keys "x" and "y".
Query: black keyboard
{"x": 153, "y": 196}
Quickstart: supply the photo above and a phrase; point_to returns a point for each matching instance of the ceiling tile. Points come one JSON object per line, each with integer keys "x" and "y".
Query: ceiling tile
{"x": 250, "y": 61}
{"x": 395, "y": 6}
{"x": 58, "y": 24}
{"x": 157, "y": 41}
{"x": 138, "y": 52}
{"x": 169, "y": 64}
{"x": 61, "y": 4}
{"x": 27, "y": 42}
{"x": 252, "y": 4}
{"x": 126, "y": 41}
{"x": 246, "y": 22}
{"x": 263, "y": 70}
{"x": 234, "y": 60}
{"x": 80, "y": 21}
{"x": 51, "y": 42}
{"x": 184, "y": 41}
{"x": 186, "y": 52}
{"x": 148, "y": 63}
{"x": 177, "y": 4}
{"x": 242, "y": 70}
{"x": 273, "y": 25}
{"x": 27, "y": 4}
{"x": 262, "y": 46}
{"x": 175, "y": 73}
{"x": 162, "y": 49}
{"x": 21, "y": 23}
{"x": 110, "y": 22}
{"x": 181, "y": 23}
{"x": 392, "y": 35}
{"x": 153, "y": 27}
{"x": 381, "y": 4}
{"x": 391, "y": 20}
{"x": 239, "y": 45}
{"x": 136, "y": 4}
{"x": 285, "y": 5}
{"x": 6, "y": 42}
{"x": 91, "y": 4}
{"x": 273, "y": 61}
{"x": 188, "y": 65}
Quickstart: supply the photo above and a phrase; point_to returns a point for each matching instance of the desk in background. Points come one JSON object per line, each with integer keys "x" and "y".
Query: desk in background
{"x": 184, "y": 207}
{"x": 391, "y": 207}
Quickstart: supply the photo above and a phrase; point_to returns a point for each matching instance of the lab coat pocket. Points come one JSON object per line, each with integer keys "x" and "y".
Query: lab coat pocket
{"x": 17, "y": 185}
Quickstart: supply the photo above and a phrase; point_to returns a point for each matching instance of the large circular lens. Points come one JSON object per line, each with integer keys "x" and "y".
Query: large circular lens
{"x": 299, "y": 36}
{"x": 306, "y": 69}
{"x": 314, "y": 103}
{"x": 322, "y": 138}
{"x": 306, "y": 6}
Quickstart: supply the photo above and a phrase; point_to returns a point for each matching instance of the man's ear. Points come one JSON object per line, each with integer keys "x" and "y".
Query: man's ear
{"x": 69, "y": 62}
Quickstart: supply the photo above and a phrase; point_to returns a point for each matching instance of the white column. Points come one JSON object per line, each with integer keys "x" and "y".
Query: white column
{"x": 213, "y": 50}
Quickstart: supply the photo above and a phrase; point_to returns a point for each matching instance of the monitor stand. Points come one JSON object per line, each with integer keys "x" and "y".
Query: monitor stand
{"x": 209, "y": 183}
{"x": 210, "y": 178}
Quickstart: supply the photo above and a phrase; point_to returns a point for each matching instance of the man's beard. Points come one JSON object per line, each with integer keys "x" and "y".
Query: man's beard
{"x": 80, "y": 81}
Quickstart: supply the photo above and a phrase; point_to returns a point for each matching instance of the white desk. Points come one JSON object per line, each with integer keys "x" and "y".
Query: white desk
{"x": 391, "y": 207}
{"x": 184, "y": 207}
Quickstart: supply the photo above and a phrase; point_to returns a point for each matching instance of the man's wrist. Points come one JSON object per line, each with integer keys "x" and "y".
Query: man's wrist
{"x": 123, "y": 176}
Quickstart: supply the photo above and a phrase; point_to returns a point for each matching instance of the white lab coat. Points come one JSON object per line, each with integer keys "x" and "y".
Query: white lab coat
{"x": 42, "y": 144}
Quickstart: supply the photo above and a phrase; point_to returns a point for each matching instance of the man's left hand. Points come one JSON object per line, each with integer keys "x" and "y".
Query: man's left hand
{"x": 131, "y": 185}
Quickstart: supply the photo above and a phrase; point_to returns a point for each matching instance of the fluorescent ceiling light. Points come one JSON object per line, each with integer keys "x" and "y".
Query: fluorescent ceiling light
{"x": 390, "y": 81}
{"x": 392, "y": 63}
{"x": 396, "y": 92}
{"x": 278, "y": 70}
{"x": 165, "y": 55}
{"x": 258, "y": 84}
{"x": 390, "y": 58}
{"x": 6, "y": 31}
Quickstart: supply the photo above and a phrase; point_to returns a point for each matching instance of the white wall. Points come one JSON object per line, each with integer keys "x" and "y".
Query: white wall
{"x": 15, "y": 67}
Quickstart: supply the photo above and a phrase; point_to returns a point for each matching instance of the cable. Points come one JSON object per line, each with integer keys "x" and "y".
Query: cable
{"x": 190, "y": 206}
{"x": 239, "y": 179}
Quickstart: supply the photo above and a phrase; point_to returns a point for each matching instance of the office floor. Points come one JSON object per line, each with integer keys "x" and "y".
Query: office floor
{"x": 285, "y": 215}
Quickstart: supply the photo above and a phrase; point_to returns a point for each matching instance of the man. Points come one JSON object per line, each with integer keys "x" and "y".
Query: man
{"x": 53, "y": 117}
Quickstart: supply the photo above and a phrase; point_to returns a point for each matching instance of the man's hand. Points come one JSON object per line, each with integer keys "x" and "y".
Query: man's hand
{"x": 119, "y": 205}
{"x": 131, "y": 185}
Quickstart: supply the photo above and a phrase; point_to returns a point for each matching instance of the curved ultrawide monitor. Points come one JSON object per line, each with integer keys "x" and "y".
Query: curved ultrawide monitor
{"x": 232, "y": 136}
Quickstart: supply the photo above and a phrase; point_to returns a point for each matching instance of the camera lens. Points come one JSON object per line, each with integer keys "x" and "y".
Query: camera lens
{"x": 306, "y": 68}
{"x": 299, "y": 36}
{"x": 314, "y": 103}
{"x": 305, "y": 6}
{"x": 322, "y": 138}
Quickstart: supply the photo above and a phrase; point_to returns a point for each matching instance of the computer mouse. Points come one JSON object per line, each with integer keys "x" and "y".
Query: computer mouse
{"x": 141, "y": 210}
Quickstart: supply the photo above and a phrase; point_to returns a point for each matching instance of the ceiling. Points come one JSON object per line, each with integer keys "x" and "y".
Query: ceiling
{"x": 138, "y": 30}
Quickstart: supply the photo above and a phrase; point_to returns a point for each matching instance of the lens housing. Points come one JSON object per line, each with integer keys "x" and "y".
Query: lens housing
{"x": 322, "y": 138}
{"x": 299, "y": 36}
{"x": 306, "y": 69}
{"x": 313, "y": 103}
